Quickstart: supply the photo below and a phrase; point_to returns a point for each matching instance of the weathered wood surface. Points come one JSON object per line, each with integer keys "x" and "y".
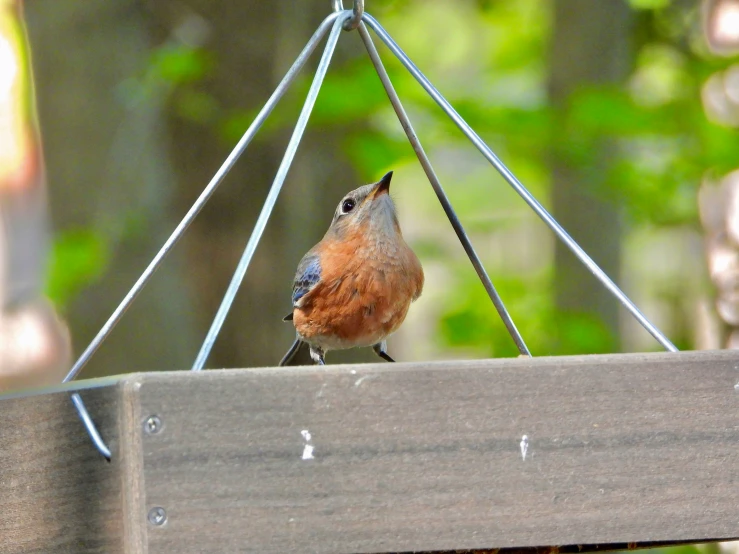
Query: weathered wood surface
{"x": 56, "y": 493}
{"x": 414, "y": 457}
{"x": 406, "y": 457}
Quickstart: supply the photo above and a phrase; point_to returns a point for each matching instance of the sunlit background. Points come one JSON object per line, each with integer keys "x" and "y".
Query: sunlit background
{"x": 621, "y": 117}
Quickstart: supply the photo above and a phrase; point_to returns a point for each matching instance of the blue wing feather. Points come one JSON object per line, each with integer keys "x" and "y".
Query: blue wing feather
{"x": 307, "y": 276}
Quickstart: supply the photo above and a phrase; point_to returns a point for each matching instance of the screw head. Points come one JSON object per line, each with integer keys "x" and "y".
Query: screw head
{"x": 152, "y": 425}
{"x": 157, "y": 516}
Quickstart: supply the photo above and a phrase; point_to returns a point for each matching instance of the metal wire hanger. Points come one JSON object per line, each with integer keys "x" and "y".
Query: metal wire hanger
{"x": 348, "y": 20}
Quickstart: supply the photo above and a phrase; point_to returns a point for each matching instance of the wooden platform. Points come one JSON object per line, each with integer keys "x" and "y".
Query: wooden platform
{"x": 380, "y": 458}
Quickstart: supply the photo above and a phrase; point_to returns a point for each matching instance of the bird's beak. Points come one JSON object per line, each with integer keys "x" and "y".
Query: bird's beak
{"x": 383, "y": 186}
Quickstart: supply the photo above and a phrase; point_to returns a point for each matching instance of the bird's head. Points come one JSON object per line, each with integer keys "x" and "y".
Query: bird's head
{"x": 369, "y": 208}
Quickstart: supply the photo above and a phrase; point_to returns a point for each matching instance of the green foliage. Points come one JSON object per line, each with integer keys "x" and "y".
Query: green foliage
{"x": 180, "y": 64}
{"x": 469, "y": 320}
{"x": 78, "y": 258}
{"x": 370, "y": 151}
{"x": 491, "y": 60}
{"x": 653, "y": 124}
{"x": 649, "y": 4}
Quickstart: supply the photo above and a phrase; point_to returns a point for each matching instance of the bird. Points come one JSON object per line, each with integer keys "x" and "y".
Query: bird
{"x": 354, "y": 288}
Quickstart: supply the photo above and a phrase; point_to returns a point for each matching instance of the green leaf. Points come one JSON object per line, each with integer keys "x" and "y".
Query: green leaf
{"x": 649, "y": 4}
{"x": 78, "y": 258}
{"x": 180, "y": 64}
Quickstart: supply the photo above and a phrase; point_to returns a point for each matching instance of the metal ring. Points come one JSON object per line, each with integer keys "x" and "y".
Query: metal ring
{"x": 357, "y": 12}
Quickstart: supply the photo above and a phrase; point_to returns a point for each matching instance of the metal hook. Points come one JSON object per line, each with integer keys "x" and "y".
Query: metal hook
{"x": 97, "y": 440}
{"x": 357, "y": 12}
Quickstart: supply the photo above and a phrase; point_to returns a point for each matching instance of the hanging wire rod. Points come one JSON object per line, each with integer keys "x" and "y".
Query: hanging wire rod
{"x": 185, "y": 223}
{"x": 274, "y": 191}
{"x": 204, "y": 197}
{"x": 439, "y": 190}
{"x": 485, "y": 150}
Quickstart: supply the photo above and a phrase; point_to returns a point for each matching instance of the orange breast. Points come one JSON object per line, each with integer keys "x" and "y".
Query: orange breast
{"x": 363, "y": 296}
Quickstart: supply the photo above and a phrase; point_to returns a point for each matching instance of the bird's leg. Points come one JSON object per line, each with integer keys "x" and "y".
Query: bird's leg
{"x": 381, "y": 350}
{"x": 316, "y": 353}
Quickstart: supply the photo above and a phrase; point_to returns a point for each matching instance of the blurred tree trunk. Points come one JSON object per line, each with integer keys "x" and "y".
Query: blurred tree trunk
{"x": 254, "y": 43}
{"x": 590, "y": 46}
{"x": 108, "y": 171}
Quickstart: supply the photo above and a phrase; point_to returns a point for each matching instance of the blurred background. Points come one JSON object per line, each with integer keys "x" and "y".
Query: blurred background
{"x": 620, "y": 116}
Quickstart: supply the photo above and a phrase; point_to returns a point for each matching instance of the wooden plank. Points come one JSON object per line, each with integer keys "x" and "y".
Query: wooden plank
{"x": 407, "y": 457}
{"x": 414, "y": 457}
{"x": 57, "y": 494}
{"x": 129, "y": 460}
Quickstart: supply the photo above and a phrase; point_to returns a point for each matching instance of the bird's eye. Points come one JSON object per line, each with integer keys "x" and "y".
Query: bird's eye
{"x": 347, "y": 205}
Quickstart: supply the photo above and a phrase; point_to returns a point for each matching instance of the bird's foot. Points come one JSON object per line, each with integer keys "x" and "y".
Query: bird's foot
{"x": 317, "y": 355}
{"x": 381, "y": 350}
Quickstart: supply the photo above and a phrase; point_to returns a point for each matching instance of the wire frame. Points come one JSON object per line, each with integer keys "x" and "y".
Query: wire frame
{"x": 346, "y": 20}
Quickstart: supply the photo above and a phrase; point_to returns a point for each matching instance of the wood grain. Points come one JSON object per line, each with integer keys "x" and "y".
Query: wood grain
{"x": 427, "y": 457}
{"x": 57, "y": 494}
{"x": 622, "y": 450}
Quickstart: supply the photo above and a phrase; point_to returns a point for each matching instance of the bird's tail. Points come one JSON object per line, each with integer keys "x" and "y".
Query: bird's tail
{"x": 288, "y": 357}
